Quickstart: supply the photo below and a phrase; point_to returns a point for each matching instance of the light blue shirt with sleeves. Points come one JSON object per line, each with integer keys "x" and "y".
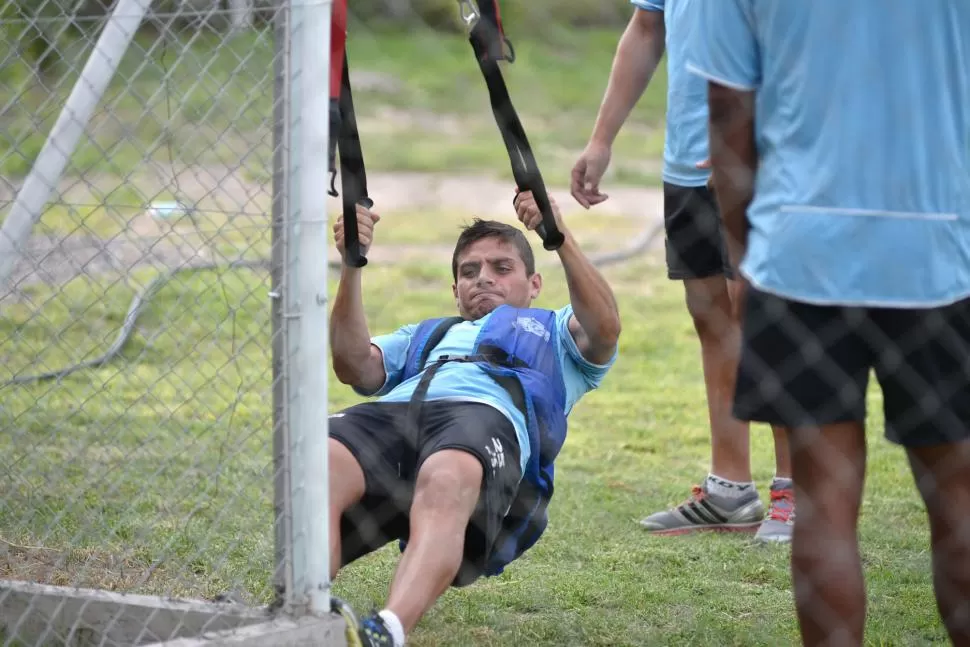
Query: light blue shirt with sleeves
{"x": 465, "y": 382}
{"x": 862, "y": 195}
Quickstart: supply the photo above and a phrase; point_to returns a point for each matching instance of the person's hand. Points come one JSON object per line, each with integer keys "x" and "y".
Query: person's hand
{"x": 706, "y": 165}
{"x": 528, "y": 212}
{"x": 585, "y": 179}
{"x": 366, "y": 219}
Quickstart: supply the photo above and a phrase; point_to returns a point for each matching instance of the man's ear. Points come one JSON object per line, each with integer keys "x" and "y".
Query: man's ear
{"x": 536, "y": 281}
{"x": 454, "y": 290}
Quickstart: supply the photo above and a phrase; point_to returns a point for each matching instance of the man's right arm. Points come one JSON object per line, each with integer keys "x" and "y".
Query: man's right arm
{"x": 637, "y": 56}
{"x": 356, "y": 361}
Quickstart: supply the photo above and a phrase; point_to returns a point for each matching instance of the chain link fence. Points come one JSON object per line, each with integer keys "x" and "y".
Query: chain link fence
{"x": 142, "y": 154}
{"x": 151, "y": 286}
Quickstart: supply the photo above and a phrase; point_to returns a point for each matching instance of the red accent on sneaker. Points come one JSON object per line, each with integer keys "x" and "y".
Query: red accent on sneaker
{"x": 782, "y": 504}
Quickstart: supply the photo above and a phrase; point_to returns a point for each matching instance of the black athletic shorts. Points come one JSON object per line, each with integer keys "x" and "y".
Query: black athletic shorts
{"x": 695, "y": 243}
{"x": 377, "y": 435}
{"x": 805, "y": 365}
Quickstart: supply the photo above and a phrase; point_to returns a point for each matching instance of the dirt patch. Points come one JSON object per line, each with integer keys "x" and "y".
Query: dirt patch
{"x": 55, "y": 260}
{"x": 72, "y": 567}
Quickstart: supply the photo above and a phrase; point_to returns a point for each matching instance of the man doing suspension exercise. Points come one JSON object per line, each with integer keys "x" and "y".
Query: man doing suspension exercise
{"x": 455, "y": 457}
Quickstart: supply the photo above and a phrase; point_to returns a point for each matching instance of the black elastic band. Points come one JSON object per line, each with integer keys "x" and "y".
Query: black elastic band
{"x": 353, "y": 175}
{"x": 525, "y": 170}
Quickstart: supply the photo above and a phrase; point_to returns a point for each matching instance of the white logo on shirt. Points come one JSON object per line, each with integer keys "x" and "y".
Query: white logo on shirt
{"x": 532, "y": 325}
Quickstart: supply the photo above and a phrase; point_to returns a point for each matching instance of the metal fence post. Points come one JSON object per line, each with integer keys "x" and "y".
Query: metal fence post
{"x": 282, "y": 512}
{"x": 307, "y": 311}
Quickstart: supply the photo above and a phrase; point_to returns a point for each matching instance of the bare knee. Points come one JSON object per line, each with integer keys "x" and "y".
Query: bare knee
{"x": 447, "y": 488}
{"x": 942, "y": 476}
{"x": 829, "y": 466}
{"x": 709, "y": 306}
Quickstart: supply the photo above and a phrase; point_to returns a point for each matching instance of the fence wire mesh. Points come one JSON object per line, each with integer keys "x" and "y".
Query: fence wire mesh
{"x": 136, "y": 374}
{"x": 136, "y": 370}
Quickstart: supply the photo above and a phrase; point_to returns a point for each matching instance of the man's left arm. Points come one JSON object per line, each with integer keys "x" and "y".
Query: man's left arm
{"x": 595, "y": 324}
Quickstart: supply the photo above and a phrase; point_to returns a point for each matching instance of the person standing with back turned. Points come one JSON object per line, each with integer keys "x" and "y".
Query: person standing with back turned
{"x": 696, "y": 255}
{"x": 840, "y": 139}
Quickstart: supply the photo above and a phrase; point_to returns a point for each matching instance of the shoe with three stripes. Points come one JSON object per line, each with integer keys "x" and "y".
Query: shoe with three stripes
{"x": 704, "y": 511}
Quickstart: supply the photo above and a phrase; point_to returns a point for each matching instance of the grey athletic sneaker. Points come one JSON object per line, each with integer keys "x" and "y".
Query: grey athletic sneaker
{"x": 780, "y": 523}
{"x": 703, "y": 511}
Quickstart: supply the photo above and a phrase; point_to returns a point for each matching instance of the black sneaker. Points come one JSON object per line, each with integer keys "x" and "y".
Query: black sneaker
{"x": 374, "y": 633}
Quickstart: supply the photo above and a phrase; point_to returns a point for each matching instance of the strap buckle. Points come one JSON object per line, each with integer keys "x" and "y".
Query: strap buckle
{"x": 469, "y": 12}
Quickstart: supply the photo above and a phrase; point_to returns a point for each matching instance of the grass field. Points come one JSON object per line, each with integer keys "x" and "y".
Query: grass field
{"x": 154, "y": 474}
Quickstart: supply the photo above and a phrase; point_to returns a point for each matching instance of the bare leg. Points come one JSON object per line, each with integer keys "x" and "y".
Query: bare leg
{"x": 710, "y": 306}
{"x": 829, "y": 473}
{"x": 942, "y": 475}
{"x": 446, "y": 493}
{"x": 782, "y": 452}
{"x": 346, "y": 489}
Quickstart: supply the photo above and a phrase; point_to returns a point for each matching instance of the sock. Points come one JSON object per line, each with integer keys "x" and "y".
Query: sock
{"x": 782, "y": 483}
{"x": 393, "y": 624}
{"x": 728, "y": 489}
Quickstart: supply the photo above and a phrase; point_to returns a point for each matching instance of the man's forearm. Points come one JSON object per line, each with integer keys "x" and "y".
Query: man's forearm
{"x": 593, "y": 302}
{"x": 350, "y": 344}
{"x": 734, "y": 158}
{"x": 637, "y": 56}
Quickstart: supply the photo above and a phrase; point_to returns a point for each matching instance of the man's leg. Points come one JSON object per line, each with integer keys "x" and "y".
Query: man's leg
{"x": 942, "y": 475}
{"x": 710, "y": 307}
{"x": 829, "y": 471}
{"x": 445, "y": 496}
{"x": 925, "y": 377}
{"x": 368, "y": 501}
{"x": 728, "y": 499}
{"x": 346, "y": 489}
{"x": 780, "y": 520}
{"x": 468, "y": 476}
{"x": 806, "y": 368}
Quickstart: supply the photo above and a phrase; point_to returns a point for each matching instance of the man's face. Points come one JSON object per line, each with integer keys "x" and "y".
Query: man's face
{"x": 490, "y": 273}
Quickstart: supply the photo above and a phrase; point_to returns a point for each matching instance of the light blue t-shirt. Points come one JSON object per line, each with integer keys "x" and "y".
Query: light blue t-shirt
{"x": 464, "y": 381}
{"x": 862, "y": 195}
{"x": 685, "y": 138}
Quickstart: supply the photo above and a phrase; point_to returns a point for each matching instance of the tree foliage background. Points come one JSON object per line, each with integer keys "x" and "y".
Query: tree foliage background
{"x": 37, "y": 31}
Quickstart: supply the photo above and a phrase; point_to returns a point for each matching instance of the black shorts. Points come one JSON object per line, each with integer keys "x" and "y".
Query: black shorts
{"x": 695, "y": 241}
{"x": 804, "y": 366}
{"x": 376, "y": 433}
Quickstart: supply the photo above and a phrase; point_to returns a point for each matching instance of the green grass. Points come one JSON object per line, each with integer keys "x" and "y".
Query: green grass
{"x": 161, "y": 461}
{"x": 206, "y": 100}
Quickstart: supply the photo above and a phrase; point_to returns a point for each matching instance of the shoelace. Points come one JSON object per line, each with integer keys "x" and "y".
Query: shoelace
{"x": 782, "y": 504}
{"x": 696, "y": 494}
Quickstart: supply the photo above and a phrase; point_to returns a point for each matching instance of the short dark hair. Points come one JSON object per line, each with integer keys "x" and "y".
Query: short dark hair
{"x": 480, "y": 229}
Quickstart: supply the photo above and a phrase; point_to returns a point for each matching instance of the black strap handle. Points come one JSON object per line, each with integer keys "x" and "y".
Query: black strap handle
{"x": 484, "y": 33}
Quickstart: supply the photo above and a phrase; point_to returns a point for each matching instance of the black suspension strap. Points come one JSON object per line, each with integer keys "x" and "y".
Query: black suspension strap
{"x": 345, "y": 138}
{"x": 489, "y": 44}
